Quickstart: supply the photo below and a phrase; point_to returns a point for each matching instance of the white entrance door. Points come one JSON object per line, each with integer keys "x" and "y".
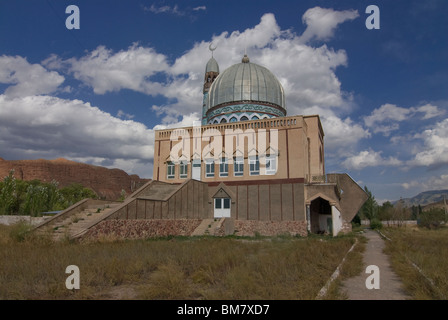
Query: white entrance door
{"x": 222, "y": 207}
{"x": 196, "y": 172}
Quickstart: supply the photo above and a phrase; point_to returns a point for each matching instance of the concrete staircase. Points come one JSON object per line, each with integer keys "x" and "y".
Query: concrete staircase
{"x": 78, "y": 223}
{"x": 159, "y": 191}
{"x": 207, "y": 227}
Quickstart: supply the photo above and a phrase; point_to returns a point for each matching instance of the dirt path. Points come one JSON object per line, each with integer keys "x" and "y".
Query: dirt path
{"x": 390, "y": 286}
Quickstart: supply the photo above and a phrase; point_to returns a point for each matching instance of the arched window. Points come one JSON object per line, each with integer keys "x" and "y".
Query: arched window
{"x": 244, "y": 118}
{"x": 223, "y": 120}
{"x": 216, "y": 121}
{"x": 233, "y": 119}
{"x": 254, "y": 118}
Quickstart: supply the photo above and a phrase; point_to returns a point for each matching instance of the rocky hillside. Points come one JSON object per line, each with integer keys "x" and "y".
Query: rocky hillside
{"x": 107, "y": 183}
{"x": 425, "y": 198}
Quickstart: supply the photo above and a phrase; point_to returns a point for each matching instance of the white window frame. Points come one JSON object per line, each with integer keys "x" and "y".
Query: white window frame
{"x": 271, "y": 165}
{"x": 223, "y": 167}
{"x": 254, "y": 166}
{"x": 209, "y": 168}
{"x": 238, "y": 163}
{"x": 170, "y": 167}
{"x": 183, "y": 170}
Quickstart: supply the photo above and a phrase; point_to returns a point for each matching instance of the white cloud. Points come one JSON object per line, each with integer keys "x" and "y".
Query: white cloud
{"x": 429, "y": 111}
{"x": 174, "y": 10}
{"x": 435, "y": 149}
{"x": 26, "y": 78}
{"x": 369, "y": 158}
{"x": 199, "y": 8}
{"x": 107, "y": 71}
{"x": 429, "y": 183}
{"x": 164, "y": 9}
{"x": 341, "y": 134}
{"x": 312, "y": 83}
{"x": 385, "y": 119}
{"x": 387, "y": 112}
{"x": 46, "y": 126}
{"x": 321, "y": 23}
{"x": 439, "y": 182}
{"x": 411, "y": 184}
{"x": 123, "y": 115}
{"x": 190, "y": 120}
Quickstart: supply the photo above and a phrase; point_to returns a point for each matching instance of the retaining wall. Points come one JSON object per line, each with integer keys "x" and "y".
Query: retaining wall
{"x": 34, "y": 221}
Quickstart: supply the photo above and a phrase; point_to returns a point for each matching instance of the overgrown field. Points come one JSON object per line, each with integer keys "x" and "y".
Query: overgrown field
{"x": 286, "y": 267}
{"x": 418, "y": 248}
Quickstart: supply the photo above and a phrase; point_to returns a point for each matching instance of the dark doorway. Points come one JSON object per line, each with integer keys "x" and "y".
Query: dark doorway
{"x": 320, "y": 216}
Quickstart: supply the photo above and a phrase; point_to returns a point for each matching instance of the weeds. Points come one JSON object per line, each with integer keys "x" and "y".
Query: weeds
{"x": 412, "y": 249}
{"x": 170, "y": 268}
{"x": 20, "y": 231}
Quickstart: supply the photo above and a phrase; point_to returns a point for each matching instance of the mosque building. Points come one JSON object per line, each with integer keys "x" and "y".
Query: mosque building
{"x": 249, "y": 164}
{"x": 246, "y": 168}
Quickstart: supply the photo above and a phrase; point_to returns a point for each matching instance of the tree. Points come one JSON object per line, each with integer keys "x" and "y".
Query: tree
{"x": 385, "y": 211}
{"x": 370, "y": 208}
{"x": 34, "y": 197}
{"x": 76, "y": 192}
{"x": 433, "y": 218}
{"x": 8, "y": 194}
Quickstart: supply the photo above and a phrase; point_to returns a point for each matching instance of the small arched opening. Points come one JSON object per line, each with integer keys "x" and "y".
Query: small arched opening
{"x": 321, "y": 221}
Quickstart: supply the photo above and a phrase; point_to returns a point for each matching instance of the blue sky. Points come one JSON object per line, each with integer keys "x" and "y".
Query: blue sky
{"x": 96, "y": 94}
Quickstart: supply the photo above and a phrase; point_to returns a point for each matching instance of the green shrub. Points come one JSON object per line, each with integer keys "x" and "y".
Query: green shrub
{"x": 432, "y": 219}
{"x": 375, "y": 224}
{"x": 20, "y": 231}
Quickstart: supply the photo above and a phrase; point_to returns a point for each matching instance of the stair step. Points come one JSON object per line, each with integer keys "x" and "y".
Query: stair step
{"x": 80, "y": 221}
{"x": 206, "y": 227}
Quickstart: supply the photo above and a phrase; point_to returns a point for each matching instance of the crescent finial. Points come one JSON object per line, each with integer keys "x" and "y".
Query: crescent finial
{"x": 211, "y": 48}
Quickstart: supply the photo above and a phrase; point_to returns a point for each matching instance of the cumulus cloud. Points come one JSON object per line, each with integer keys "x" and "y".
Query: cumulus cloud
{"x": 106, "y": 71}
{"x": 429, "y": 111}
{"x": 173, "y": 10}
{"x": 45, "y": 126}
{"x": 27, "y": 79}
{"x": 164, "y": 9}
{"x": 123, "y": 115}
{"x": 387, "y": 112}
{"x": 340, "y": 134}
{"x": 385, "y": 119}
{"x": 435, "y": 148}
{"x": 321, "y": 23}
{"x": 369, "y": 158}
{"x": 431, "y": 183}
{"x": 312, "y": 83}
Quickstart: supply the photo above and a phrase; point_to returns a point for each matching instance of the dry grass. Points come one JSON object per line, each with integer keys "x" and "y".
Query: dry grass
{"x": 33, "y": 267}
{"x": 427, "y": 249}
{"x": 352, "y": 266}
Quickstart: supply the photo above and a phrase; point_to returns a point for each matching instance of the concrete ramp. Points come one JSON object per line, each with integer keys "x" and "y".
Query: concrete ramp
{"x": 352, "y": 195}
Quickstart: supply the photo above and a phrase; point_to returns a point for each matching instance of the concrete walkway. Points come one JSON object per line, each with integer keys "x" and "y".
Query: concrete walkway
{"x": 390, "y": 285}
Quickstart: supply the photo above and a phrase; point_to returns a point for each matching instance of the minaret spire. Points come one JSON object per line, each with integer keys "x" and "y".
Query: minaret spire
{"x": 211, "y": 73}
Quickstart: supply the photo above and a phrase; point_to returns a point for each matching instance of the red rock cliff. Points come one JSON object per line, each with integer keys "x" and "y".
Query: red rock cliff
{"x": 107, "y": 183}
